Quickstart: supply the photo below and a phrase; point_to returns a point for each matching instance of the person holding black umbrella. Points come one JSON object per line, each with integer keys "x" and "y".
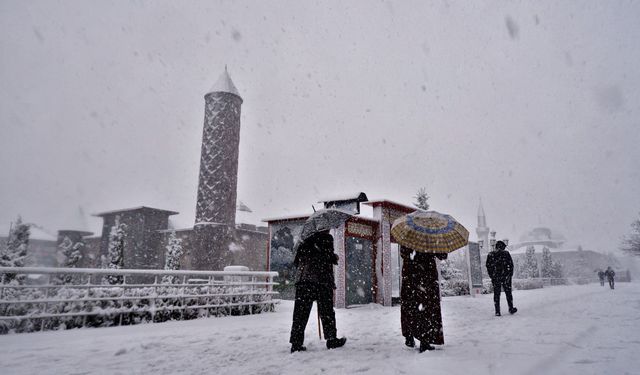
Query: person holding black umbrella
{"x": 315, "y": 282}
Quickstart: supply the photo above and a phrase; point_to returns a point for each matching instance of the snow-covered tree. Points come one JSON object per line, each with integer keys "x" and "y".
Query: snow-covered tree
{"x": 422, "y": 198}
{"x": 631, "y": 243}
{"x": 14, "y": 254}
{"x": 547, "y": 264}
{"x": 530, "y": 265}
{"x": 115, "y": 254}
{"x": 556, "y": 270}
{"x": 72, "y": 253}
{"x": 172, "y": 256}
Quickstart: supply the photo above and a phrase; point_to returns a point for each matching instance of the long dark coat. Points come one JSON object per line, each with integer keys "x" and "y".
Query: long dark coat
{"x": 314, "y": 261}
{"x": 314, "y": 282}
{"x": 500, "y": 266}
{"x": 420, "y": 313}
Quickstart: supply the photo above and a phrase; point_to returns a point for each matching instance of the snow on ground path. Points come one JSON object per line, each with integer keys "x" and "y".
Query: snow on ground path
{"x": 561, "y": 330}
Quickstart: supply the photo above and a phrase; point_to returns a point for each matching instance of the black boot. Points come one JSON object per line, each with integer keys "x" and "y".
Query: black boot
{"x": 512, "y": 310}
{"x": 409, "y": 341}
{"x": 425, "y": 346}
{"x": 498, "y": 310}
{"x": 336, "y": 343}
{"x": 298, "y": 348}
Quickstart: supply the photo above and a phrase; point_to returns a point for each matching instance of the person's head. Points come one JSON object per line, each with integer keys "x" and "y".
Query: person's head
{"x": 500, "y": 245}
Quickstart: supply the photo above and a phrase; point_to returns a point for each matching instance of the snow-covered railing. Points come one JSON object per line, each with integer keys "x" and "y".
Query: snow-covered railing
{"x": 58, "y": 298}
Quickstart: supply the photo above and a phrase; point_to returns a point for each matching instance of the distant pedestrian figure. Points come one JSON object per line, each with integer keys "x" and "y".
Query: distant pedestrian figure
{"x": 601, "y": 277}
{"x": 610, "y": 276}
{"x": 314, "y": 282}
{"x": 420, "y": 313}
{"x": 500, "y": 269}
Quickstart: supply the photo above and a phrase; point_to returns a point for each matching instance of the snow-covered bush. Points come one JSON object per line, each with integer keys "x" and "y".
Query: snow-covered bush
{"x": 454, "y": 287}
{"x": 453, "y": 282}
{"x": 109, "y": 306}
{"x": 516, "y": 284}
{"x": 525, "y": 284}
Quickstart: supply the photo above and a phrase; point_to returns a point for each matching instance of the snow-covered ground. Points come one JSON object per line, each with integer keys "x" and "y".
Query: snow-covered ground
{"x": 561, "y": 330}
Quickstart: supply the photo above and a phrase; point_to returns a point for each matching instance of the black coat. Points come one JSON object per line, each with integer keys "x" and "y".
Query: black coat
{"x": 499, "y": 265}
{"x": 610, "y": 274}
{"x": 420, "y": 312}
{"x": 314, "y": 261}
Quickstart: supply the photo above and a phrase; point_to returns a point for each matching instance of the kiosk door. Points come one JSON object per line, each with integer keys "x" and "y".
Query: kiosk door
{"x": 359, "y": 271}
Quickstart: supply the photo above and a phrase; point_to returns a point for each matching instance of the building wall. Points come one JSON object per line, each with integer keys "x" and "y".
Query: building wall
{"x": 249, "y": 247}
{"x": 142, "y": 244}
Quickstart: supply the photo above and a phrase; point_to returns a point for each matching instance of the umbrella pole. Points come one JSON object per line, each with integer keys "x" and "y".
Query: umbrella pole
{"x": 319, "y": 324}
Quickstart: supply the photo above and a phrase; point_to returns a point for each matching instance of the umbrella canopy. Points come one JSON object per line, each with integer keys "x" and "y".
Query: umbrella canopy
{"x": 322, "y": 220}
{"x": 429, "y": 232}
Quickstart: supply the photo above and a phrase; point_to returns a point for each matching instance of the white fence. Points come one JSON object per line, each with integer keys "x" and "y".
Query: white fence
{"x": 58, "y": 298}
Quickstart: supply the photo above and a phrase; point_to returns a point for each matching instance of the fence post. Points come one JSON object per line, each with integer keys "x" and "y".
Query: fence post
{"x": 183, "y": 300}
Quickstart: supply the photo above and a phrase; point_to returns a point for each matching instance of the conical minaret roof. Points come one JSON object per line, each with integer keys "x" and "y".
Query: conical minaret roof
{"x": 482, "y": 220}
{"x": 225, "y": 84}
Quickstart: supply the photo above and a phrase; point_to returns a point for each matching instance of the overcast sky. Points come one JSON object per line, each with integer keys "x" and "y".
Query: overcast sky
{"x": 535, "y": 107}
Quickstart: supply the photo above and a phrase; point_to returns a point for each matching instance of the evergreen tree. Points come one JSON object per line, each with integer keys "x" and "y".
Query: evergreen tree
{"x": 72, "y": 253}
{"x": 530, "y": 266}
{"x": 14, "y": 254}
{"x": 556, "y": 270}
{"x": 547, "y": 264}
{"x": 115, "y": 254}
{"x": 421, "y": 198}
{"x": 172, "y": 257}
{"x": 631, "y": 243}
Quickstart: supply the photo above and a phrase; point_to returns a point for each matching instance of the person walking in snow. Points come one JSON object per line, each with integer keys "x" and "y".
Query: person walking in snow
{"x": 500, "y": 269}
{"x": 601, "y": 277}
{"x": 610, "y": 276}
{"x": 314, "y": 282}
{"x": 420, "y": 313}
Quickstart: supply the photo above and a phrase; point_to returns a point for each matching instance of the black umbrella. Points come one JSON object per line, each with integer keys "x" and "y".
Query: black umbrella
{"x": 322, "y": 220}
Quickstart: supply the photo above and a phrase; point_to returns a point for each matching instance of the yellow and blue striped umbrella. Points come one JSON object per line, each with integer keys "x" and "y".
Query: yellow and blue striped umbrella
{"x": 429, "y": 232}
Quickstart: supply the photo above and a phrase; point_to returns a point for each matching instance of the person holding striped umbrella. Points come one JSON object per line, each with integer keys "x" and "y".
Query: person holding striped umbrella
{"x": 424, "y": 237}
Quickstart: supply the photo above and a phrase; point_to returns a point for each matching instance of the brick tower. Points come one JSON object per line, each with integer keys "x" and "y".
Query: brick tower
{"x": 218, "y": 180}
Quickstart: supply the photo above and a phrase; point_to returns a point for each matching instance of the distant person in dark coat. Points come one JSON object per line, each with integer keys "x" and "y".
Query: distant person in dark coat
{"x": 610, "y": 276}
{"x": 601, "y": 277}
{"x": 500, "y": 269}
{"x": 314, "y": 282}
{"x": 420, "y": 313}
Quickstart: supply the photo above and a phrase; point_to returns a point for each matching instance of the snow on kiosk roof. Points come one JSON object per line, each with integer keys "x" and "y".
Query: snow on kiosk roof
{"x": 390, "y": 204}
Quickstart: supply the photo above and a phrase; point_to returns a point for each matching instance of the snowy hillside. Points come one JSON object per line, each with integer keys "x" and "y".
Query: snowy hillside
{"x": 561, "y": 330}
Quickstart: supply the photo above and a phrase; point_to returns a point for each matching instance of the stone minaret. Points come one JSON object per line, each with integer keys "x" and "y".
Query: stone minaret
{"x": 218, "y": 180}
{"x": 482, "y": 230}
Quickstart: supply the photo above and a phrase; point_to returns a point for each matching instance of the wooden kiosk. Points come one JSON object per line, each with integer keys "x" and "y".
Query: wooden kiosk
{"x": 365, "y": 270}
